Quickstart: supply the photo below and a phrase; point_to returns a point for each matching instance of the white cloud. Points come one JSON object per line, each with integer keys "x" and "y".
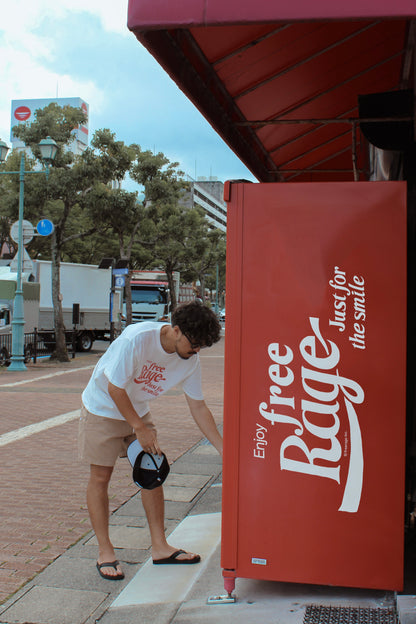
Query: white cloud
{"x": 23, "y": 16}
{"x": 126, "y": 89}
{"x": 112, "y": 13}
{"x": 23, "y": 52}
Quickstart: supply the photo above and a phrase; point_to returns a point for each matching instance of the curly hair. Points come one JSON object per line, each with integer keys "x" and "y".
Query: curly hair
{"x": 198, "y": 322}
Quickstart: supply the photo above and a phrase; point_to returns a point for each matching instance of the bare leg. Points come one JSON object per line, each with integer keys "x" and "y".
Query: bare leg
{"x": 98, "y": 508}
{"x": 154, "y": 506}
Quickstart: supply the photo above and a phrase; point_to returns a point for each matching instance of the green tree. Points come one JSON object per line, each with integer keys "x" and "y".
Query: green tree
{"x": 9, "y": 201}
{"x": 213, "y": 256}
{"x": 75, "y": 185}
{"x": 161, "y": 218}
{"x": 215, "y": 275}
{"x": 179, "y": 240}
{"x": 58, "y": 123}
{"x": 161, "y": 180}
{"x": 121, "y": 211}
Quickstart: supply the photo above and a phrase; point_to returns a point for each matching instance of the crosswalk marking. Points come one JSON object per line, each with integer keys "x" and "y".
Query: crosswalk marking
{"x": 26, "y": 381}
{"x": 24, "y": 432}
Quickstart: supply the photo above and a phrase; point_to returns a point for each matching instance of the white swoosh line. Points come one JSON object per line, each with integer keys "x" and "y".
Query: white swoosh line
{"x": 354, "y": 485}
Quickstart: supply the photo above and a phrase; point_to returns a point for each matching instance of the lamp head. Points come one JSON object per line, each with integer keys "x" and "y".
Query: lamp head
{"x": 4, "y": 148}
{"x": 48, "y": 149}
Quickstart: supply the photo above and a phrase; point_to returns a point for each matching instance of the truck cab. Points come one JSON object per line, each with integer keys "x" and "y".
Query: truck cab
{"x": 150, "y": 301}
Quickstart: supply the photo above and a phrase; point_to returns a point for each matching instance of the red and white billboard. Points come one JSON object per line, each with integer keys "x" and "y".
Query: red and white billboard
{"x": 23, "y": 111}
{"x": 314, "y": 410}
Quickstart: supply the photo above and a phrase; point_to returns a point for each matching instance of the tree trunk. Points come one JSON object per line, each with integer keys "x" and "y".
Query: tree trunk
{"x": 60, "y": 353}
{"x": 173, "y": 301}
{"x": 202, "y": 281}
{"x": 127, "y": 294}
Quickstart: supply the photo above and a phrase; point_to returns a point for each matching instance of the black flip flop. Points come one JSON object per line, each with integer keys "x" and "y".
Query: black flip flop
{"x": 109, "y": 577}
{"x": 173, "y": 559}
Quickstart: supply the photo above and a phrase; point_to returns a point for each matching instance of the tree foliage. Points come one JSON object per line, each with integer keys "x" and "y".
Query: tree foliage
{"x": 75, "y": 187}
{"x": 95, "y": 218}
{"x": 162, "y": 225}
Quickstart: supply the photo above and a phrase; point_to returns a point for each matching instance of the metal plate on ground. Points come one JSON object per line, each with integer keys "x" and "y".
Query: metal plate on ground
{"x": 225, "y": 599}
{"x": 319, "y": 614}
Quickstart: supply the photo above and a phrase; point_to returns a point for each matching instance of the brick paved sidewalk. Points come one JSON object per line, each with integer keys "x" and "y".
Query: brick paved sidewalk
{"x": 43, "y": 485}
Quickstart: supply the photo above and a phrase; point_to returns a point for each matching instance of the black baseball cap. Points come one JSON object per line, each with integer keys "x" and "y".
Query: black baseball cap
{"x": 149, "y": 470}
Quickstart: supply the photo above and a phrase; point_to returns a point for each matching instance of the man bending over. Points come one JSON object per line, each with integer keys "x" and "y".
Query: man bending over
{"x": 145, "y": 361}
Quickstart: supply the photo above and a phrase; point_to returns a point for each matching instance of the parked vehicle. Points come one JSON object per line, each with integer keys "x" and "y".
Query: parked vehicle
{"x": 150, "y": 297}
{"x": 31, "y": 314}
{"x": 85, "y": 294}
{"x": 88, "y": 288}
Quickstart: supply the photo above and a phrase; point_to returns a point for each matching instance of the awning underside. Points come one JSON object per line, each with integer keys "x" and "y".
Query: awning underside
{"x": 284, "y": 96}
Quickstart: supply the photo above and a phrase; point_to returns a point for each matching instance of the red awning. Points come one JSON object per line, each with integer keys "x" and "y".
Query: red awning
{"x": 280, "y": 84}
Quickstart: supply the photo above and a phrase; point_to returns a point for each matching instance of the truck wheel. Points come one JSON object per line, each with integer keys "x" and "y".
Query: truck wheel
{"x": 48, "y": 343}
{"x": 85, "y": 342}
{"x": 4, "y": 357}
{"x": 28, "y": 353}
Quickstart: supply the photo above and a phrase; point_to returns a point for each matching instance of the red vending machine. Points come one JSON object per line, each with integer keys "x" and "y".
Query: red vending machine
{"x": 314, "y": 410}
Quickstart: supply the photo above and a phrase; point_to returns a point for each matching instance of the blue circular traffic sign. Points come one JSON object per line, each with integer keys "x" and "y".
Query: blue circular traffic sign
{"x": 45, "y": 227}
{"x": 119, "y": 281}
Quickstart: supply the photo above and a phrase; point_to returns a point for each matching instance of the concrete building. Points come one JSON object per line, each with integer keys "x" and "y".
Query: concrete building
{"x": 207, "y": 193}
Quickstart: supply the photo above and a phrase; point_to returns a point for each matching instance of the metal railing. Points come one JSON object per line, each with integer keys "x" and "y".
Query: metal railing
{"x": 37, "y": 344}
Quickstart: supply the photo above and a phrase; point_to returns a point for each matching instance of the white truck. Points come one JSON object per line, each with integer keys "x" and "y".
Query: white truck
{"x": 84, "y": 286}
{"x": 150, "y": 296}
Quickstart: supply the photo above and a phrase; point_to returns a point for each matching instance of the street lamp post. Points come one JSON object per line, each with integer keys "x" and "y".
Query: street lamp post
{"x": 48, "y": 149}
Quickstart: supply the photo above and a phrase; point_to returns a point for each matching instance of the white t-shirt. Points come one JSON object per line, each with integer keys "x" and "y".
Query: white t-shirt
{"x": 137, "y": 362}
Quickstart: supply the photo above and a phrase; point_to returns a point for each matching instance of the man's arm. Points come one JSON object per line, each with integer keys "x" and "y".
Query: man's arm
{"x": 146, "y": 437}
{"x": 205, "y": 421}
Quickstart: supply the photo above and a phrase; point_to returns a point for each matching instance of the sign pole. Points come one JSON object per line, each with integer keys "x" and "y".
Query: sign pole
{"x": 18, "y": 321}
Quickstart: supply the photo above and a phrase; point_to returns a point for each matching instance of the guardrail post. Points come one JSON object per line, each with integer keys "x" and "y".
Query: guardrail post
{"x": 35, "y": 345}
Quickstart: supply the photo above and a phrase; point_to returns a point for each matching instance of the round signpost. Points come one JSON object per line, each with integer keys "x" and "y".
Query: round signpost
{"x": 45, "y": 227}
{"x": 28, "y": 231}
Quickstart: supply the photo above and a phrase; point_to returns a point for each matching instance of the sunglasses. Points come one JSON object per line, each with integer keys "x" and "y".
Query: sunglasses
{"x": 194, "y": 345}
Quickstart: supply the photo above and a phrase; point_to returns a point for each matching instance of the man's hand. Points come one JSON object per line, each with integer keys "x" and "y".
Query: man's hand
{"x": 147, "y": 439}
{"x": 205, "y": 421}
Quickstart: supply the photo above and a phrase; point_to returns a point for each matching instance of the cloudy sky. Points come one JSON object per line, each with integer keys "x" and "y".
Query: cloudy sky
{"x": 82, "y": 48}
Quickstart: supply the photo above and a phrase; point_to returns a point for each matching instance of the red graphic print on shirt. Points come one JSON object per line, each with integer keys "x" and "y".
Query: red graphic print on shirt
{"x": 150, "y": 376}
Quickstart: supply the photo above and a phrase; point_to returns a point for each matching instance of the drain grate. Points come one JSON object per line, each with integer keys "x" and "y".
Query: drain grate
{"x": 319, "y": 614}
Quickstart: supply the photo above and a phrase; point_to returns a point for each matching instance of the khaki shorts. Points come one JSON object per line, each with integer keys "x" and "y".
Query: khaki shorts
{"x": 102, "y": 440}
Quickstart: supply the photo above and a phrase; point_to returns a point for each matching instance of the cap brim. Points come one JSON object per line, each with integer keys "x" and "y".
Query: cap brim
{"x": 133, "y": 451}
